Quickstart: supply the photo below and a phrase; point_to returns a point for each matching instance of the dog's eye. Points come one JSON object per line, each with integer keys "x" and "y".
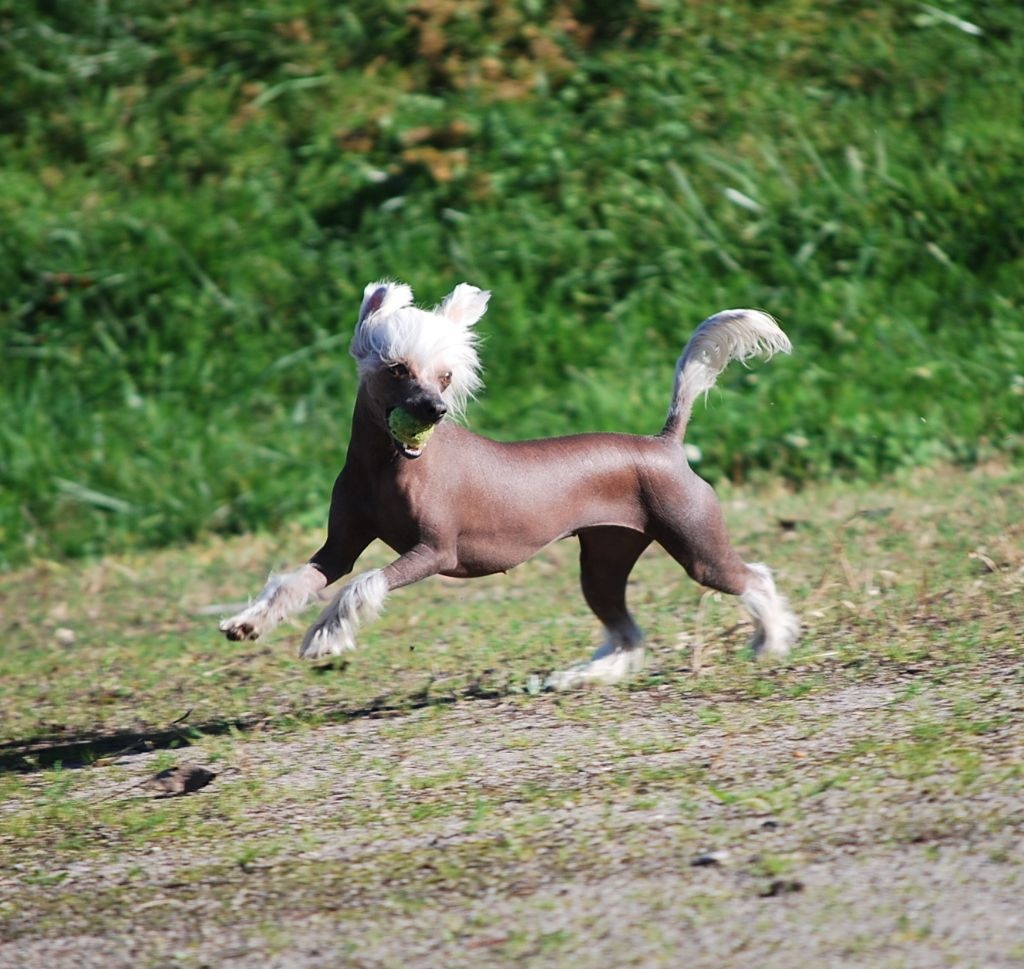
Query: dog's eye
{"x": 445, "y": 379}
{"x": 399, "y": 371}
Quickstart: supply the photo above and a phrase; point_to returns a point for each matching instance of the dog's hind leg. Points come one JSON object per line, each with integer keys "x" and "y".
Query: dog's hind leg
{"x": 698, "y": 541}
{"x": 607, "y": 556}
{"x": 775, "y": 626}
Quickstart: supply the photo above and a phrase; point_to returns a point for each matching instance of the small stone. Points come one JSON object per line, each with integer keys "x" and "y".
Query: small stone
{"x": 179, "y": 781}
{"x": 782, "y": 886}
{"x": 64, "y": 636}
{"x": 710, "y": 859}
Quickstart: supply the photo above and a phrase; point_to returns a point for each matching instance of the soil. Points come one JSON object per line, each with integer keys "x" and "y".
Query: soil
{"x": 604, "y": 841}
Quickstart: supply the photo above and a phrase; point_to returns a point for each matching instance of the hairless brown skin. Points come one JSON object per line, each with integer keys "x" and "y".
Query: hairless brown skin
{"x": 469, "y": 506}
{"x": 466, "y": 506}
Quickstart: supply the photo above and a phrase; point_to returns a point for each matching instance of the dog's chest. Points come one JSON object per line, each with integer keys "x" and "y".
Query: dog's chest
{"x": 404, "y": 510}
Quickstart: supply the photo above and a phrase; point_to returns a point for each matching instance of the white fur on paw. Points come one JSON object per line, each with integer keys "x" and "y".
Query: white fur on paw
{"x": 606, "y": 670}
{"x": 284, "y": 594}
{"x": 774, "y": 644}
{"x": 330, "y": 639}
{"x": 767, "y": 651}
{"x": 776, "y": 629}
{"x": 243, "y": 626}
{"x": 335, "y": 631}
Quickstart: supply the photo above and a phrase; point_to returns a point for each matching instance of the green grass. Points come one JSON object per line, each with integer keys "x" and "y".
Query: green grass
{"x": 193, "y": 196}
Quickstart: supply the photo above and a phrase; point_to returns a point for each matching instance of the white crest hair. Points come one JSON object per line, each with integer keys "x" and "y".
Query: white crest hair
{"x": 391, "y": 330}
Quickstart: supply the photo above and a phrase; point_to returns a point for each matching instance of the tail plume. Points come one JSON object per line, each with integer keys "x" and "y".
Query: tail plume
{"x": 729, "y": 335}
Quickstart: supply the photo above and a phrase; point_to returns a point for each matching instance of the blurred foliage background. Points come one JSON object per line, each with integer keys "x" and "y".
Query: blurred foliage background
{"x": 193, "y": 194}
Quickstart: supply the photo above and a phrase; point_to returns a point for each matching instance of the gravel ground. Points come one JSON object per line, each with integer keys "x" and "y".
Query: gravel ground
{"x": 596, "y": 850}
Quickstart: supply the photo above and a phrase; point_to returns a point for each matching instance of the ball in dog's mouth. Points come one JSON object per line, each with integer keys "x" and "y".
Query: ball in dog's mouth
{"x": 409, "y": 433}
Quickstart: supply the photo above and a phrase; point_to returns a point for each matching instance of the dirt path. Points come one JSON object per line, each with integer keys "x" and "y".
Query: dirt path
{"x": 622, "y": 828}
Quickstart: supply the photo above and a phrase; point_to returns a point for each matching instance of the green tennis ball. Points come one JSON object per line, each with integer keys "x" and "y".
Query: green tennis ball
{"x": 407, "y": 429}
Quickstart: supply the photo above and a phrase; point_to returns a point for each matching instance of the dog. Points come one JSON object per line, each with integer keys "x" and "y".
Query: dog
{"x": 456, "y": 504}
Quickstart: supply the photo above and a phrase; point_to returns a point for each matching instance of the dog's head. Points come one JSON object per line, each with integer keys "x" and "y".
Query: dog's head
{"x": 423, "y": 362}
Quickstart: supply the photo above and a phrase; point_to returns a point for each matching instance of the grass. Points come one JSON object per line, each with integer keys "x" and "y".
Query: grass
{"x": 192, "y": 199}
{"x": 891, "y": 731}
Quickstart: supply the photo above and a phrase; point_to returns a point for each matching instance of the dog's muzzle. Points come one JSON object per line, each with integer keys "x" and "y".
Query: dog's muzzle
{"x": 411, "y": 425}
{"x": 406, "y": 450}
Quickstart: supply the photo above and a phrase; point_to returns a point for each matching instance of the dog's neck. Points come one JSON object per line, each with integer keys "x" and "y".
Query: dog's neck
{"x": 371, "y": 443}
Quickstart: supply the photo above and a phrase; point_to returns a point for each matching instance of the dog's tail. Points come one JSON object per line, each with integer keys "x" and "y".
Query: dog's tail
{"x": 729, "y": 335}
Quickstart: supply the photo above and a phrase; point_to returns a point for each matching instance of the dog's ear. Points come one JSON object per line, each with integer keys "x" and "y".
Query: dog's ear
{"x": 465, "y": 304}
{"x": 383, "y": 297}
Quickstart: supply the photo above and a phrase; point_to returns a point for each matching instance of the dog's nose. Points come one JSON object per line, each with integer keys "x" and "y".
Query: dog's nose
{"x": 430, "y": 409}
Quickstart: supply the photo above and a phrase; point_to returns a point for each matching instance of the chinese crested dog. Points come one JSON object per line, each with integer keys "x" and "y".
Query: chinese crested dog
{"x": 453, "y": 503}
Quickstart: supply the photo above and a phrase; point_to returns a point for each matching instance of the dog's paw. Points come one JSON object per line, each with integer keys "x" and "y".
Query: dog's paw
{"x": 770, "y": 651}
{"x": 773, "y": 646}
{"x": 606, "y": 670}
{"x": 330, "y": 639}
{"x": 237, "y": 629}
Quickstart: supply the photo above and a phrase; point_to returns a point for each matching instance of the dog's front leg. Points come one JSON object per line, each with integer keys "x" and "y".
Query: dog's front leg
{"x": 284, "y": 594}
{"x": 287, "y": 593}
{"x": 361, "y": 600}
{"x": 348, "y": 534}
